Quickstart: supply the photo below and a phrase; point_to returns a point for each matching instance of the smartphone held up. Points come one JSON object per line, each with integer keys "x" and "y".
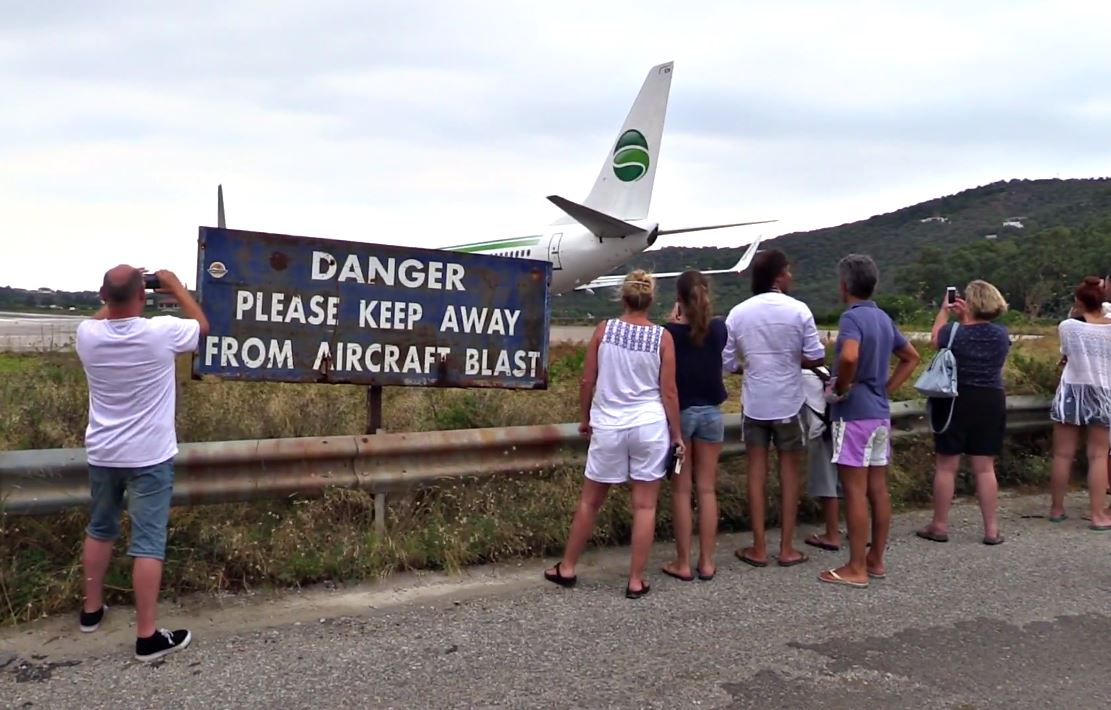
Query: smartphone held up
{"x": 951, "y": 295}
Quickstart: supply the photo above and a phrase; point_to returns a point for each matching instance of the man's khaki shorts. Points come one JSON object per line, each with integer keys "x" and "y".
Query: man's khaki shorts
{"x": 786, "y": 434}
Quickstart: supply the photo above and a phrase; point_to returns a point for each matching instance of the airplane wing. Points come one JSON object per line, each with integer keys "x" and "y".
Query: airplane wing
{"x": 615, "y": 280}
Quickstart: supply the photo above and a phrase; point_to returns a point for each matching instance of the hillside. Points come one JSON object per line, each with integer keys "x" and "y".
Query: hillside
{"x": 896, "y": 240}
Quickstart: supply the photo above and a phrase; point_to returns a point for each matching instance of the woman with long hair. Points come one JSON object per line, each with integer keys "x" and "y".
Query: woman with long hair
{"x": 975, "y": 421}
{"x": 1083, "y": 401}
{"x": 699, "y": 339}
{"x": 630, "y": 410}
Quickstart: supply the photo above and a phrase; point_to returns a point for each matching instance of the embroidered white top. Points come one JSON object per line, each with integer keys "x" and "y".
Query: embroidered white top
{"x": 627, "y": 393}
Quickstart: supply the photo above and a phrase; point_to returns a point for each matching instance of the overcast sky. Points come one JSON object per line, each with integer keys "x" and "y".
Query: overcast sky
{"x": 431, "y": 124}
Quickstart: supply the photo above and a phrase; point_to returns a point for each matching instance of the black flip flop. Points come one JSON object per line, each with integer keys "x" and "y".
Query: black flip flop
{"x": 791, "y": 563}
{"x": 740, "y": 555}
{"x": 669, "y": 573}
{"x": 931, "y": 536}
{"x": 630, "y": 594}
{"x": 997, "y": 540}
{"x": 815, "y": 541}
{"x": 706, "y": 577}
{"x": 558, "y": 577}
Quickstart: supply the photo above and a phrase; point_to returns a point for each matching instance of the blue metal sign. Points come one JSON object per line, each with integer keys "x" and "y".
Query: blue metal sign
{"x": 297, "y": 309}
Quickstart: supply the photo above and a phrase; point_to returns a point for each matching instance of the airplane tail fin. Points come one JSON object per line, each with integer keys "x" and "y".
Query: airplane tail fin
{"x": 624, "y": 186}
{"x": 220, "y": 221}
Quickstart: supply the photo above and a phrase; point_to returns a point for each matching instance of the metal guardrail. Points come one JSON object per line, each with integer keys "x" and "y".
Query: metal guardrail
{"x": 36, "y": 482}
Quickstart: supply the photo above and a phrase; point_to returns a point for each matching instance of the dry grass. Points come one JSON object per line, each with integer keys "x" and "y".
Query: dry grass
{"x": 297, "y": 542}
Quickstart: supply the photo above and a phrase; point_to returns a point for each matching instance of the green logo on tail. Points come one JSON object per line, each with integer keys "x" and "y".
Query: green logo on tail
{"x": 630, "y": 156}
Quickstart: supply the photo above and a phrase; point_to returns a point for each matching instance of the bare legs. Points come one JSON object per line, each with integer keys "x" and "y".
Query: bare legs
{"x": 644, "y": 530}
{"x": 1097, "y": 476}
{"x": 789, "y": 465}
{"x": 881, "y": 520}
{"x": 864, "y": 487}
{"x": 987, "y": 491}
{"x": 644, "y": 527}
{"x": 701, "y": 465}
{"x": 757, "y": 467}
{"x": 831, "y": 513}
{"x": 706, "y": 457}
{"x": 146, "y": 578}
{"x": 945, "y": 485}
{"x": 590, "y": 502}
{"x": 95, "y": 557}
{"x": 1065, "y": 439}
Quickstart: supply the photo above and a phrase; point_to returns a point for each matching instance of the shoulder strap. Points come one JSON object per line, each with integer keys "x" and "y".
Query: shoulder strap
{"x": 952, "y": 334}
{"x": 930, "y": 415}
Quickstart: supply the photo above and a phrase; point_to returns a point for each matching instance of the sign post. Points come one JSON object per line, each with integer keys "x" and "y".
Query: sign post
{"x": 374, "y": 409}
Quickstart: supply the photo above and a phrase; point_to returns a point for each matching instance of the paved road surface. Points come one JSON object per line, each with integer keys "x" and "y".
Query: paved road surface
{"x": 957, "y": 625}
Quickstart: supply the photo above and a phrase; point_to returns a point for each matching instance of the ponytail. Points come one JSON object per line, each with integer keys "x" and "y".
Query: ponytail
{"x": 694, "y": 297}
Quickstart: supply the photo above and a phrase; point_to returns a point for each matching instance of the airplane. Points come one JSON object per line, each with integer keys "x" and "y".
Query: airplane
{"x": 611, "y": 226}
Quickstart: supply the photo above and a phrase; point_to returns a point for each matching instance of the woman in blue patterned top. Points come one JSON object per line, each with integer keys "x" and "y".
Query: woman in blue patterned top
{"x": 977, "y": 417}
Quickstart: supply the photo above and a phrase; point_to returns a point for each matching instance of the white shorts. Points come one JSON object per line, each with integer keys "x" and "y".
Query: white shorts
{"x": 639, "y": 453}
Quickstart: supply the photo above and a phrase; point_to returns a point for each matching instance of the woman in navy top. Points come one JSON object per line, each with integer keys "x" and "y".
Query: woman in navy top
{"x": 699, "y": 340}
{"x": 977, "y": 417}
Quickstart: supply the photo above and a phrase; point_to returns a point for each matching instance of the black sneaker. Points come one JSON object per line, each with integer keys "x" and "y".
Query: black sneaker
{"x": 161, "y": 643}
{"x": 90, "y": 620}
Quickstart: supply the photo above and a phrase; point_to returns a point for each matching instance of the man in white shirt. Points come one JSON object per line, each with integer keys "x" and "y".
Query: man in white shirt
{"x": 131, "y": 440}
{"x": 772, "y": 337}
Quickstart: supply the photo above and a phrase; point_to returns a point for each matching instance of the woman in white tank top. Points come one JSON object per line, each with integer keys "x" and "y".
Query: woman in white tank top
{"x": 630, "y": 410}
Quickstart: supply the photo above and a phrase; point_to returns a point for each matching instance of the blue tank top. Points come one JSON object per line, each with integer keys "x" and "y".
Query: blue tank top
{"x": 698, "y": 367}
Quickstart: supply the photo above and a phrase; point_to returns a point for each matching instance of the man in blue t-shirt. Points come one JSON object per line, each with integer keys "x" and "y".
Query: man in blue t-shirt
{"x": 861, "y": 416}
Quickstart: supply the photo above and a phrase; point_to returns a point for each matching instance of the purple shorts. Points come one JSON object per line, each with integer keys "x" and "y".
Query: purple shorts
{"x": 862, "y": 442}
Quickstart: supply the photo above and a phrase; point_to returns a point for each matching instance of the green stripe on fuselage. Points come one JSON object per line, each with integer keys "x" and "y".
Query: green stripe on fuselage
{"x": 497, "y": 245}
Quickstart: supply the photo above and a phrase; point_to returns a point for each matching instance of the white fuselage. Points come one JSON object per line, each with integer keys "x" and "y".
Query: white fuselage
{"x": 577, "y": 256}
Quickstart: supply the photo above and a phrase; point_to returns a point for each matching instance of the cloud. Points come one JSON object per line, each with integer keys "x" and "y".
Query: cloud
{"x": 431, "y": 124}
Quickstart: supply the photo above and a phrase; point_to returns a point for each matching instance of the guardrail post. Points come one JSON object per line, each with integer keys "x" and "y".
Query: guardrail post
{"x": 380, "y": 513}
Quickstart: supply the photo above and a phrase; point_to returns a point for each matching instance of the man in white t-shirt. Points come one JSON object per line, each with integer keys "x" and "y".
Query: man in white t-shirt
{"x": 772, "y": 337}
{"x": 131, "y": 441}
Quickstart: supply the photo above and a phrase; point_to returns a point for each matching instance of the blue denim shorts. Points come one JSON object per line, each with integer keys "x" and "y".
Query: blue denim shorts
{"x": 148, "y": 505}
{"x": 702, "y": 422}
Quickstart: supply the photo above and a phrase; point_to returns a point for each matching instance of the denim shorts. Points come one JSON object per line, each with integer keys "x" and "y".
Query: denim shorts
{"x": 702, "y": 422}
{"x": 148, "y": 505}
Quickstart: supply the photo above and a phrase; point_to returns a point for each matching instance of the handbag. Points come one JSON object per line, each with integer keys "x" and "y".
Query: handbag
{"x": 939, "y": 381}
